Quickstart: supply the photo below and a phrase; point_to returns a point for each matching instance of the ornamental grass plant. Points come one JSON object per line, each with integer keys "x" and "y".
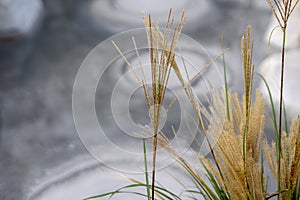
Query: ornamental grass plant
{"x": 233, "y": 127}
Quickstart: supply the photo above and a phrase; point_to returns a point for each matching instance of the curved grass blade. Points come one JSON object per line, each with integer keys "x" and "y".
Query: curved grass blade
{"x": 110, "y": 194}
{"x": 200, "y": 184}
{"x": 277, "y": 133}
{"x": 159, "y": 190}
{"x": 273, "y": 109}
{"x": 220, "y": 192}
{"x": 191, "y": 192}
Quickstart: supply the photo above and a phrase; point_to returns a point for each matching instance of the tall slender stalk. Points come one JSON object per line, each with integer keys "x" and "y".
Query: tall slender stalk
{"x": 160, "y": 71}
{"x": 281, "y": 10}
{"x": 146, "y": 168}
{"x": 281, "y": 105}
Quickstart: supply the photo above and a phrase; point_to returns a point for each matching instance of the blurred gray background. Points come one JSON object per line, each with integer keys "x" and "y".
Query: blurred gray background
{"x": 42, "y": 44}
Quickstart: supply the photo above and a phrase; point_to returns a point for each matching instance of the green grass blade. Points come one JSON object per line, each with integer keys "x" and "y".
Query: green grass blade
{"x": 164, "y": 195}
{"x": 220, "y": 192}
{"x": 226, "y": 88}
{"x": 273, "y": 110}
{"x": 203, "y": 187}
{"x": 192, "y": 192}
{"x": 119, "y": 192}
{"x": 160, "y": 190}
{"x": 277, "y": 134}
{"x": 99, "y": 196}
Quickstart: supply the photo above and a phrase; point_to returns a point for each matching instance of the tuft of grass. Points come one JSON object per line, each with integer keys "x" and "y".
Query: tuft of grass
{"x": 161, "y": 55}
{"x": 235, "y": 127}
{"x": 290, "y": 161}
{"x": 160, "y": 72}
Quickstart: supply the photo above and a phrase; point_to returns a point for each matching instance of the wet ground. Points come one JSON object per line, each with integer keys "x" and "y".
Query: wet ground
{"x": 37, "y": 129}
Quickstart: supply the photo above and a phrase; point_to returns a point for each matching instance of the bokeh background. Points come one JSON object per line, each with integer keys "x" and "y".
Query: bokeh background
{"x": 42, "y": 45}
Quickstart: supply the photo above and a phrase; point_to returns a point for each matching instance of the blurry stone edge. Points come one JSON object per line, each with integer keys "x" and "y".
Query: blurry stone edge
{"x": 111, "y": 16}
{"x": 19, "y": 18}
{"x": 260, "y": 4}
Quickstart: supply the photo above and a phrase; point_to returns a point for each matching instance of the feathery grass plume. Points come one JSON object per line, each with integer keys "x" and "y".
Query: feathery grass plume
{"x": 237, "y": 182}
{"x": 160, "y": 70}
{"x": 161, "y": 58}
{"x": 162, "y": 55}
{"x": 244, "y": 177}
{"x": 195, "y": 102}
{"x": 240, "y": 182}
{"x": 282, "y": 11}
{"x": 229, "y": 175}
{"x": 290, "y": 170}
{"x": 247, "y": 50}
{"x": 199, "y": 109}
{"x": 159, "y": 40}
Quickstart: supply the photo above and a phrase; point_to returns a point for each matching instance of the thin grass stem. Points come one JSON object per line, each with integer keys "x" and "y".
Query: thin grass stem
{"x": 281, "y": 109}
{"x": 146, "y": 169}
